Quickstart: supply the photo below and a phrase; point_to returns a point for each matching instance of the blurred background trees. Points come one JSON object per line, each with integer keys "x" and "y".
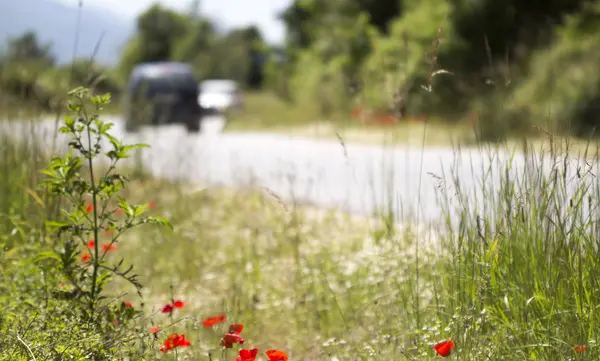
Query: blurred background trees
{"x": 514, "y": 63}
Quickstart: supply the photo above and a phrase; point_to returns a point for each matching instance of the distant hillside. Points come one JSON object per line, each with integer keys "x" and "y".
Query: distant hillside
{"x": 56, "y": 23}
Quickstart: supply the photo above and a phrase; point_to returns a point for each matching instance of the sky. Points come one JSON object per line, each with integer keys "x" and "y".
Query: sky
{"x": 227, "y": 13}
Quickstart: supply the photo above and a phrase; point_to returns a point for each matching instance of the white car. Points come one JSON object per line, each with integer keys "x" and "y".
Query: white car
{"x": 219, "y": 95}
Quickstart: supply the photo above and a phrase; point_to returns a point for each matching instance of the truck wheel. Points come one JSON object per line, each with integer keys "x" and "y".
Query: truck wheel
{"x": 193, "y": 125}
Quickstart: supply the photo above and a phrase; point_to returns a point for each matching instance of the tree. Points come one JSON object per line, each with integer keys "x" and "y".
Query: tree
{"x": 499, "y": 30}
{"x": 197, "y": 45}
{"x": 240, "y": 55}
{"x": 166, "y": 35}
{"x": 301, "y": 19}
{"x": 304, "y": 18}
{"x": 158, "y": 31}
{"x": 27, "y": 47}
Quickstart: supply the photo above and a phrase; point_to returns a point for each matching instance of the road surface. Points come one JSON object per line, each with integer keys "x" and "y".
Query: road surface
{"x": 359, "y": 179}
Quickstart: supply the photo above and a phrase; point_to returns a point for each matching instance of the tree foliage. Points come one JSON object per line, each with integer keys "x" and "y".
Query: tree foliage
{"x": 492, "y": 49}
{"x": 442, "y": 57}
{"x": 165, "y": 35}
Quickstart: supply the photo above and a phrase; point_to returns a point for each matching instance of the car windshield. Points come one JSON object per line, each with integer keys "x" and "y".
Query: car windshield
{"x": 158, "y": 80}
{"x": 218, "y": 86}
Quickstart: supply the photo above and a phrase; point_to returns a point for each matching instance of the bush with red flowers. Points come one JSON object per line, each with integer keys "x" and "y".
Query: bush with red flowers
{"x": 77, "y": 249}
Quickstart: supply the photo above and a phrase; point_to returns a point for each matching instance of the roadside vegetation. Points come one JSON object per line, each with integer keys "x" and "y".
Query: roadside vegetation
{"x": 102, "y": 261}
{"x": 490, "y": 72}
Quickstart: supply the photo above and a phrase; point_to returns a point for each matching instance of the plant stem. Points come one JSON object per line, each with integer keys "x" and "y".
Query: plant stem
{"x": 95, "y": 220}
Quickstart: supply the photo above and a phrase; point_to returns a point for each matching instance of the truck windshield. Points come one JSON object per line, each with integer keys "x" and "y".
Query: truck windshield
{"x": 166, "y": 82}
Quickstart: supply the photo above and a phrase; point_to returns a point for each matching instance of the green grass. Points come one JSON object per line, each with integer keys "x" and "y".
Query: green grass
{"x": 521, "y": 285}
{"x": 265, "y": 112}
{"x": 515, "y": 279}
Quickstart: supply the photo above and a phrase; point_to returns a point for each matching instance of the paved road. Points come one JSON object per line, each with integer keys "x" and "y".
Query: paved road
{"x": 356, "y": 178}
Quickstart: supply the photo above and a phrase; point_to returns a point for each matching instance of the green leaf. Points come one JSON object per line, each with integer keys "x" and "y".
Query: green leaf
{"x": 136, "y": 146}
{"x": 69, "y": 122}
{"x": 74, "y": 107}
{"x": 115, "y": 142}
{"x": 47, "y": 255}
{"x": 53, "y": 225}
{"x": 139, "y": 210}
{"x": 49, "y": 173}
{"x": 64, "y": 130}
{"x": 104, "y": 128}
{"x": 160, "y": 221}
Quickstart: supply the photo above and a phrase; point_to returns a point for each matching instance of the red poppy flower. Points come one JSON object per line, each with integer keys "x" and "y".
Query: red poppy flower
{"x": 127, "y": 304}
{"x": 178, "y": 304}
{"x": 236, "y": 328}
{"x": 276, "y": 355}
{"x": 91, "y": 243}
{"x": 89, "y": 208}
{"x": 167, "y": 308}
{"x": 230, "y": 338}
{"x": 152, "y": 205}
{"x": 154, "y": 329}
{"x": 173, "y": 341}
{"x": 183, "y": 342}
{"x": 109, "y": 247}
{"x": 119, "y": 211}
{"x": 580, "y": 348}
{"x": 85, "y": 257}
{"x": 247, "y": 355}
{"x": 211, "y": 321}
{"x": 444, "y": 348}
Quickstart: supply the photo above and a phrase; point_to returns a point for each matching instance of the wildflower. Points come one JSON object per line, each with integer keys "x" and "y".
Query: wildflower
{"x": 230, "y": 338}
{"x": 89, "y": 208}
{"x": 178, "y": 304}
{"x": 236, "y": 328}
{"x": 154, "y": 329}
{"x": 247, "y": 355}
{"x": 152, "y": 205}
{"x": 109, "y": 247}
{"x": 444, "y": 348}
{"x": 85, "y": 257}
{"x": 167, "y": 308}
{"x": 233, "y": 336}
{"x": 211, "y": 321}
{"x": 91, "y": 243}
{"x": 275, "y": 355}
{"x": 173, "y": 341}
{"x": 127, "y": 304}
{"x": 580, "y": 348}
{"x": 119, "y": 212}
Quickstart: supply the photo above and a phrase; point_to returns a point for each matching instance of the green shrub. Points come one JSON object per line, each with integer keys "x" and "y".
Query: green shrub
{"x": 326, "y": 76}
{"x": 564, "y": 82}
{"x": 400, "y": 64}
{"x": 55, "y": 304}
